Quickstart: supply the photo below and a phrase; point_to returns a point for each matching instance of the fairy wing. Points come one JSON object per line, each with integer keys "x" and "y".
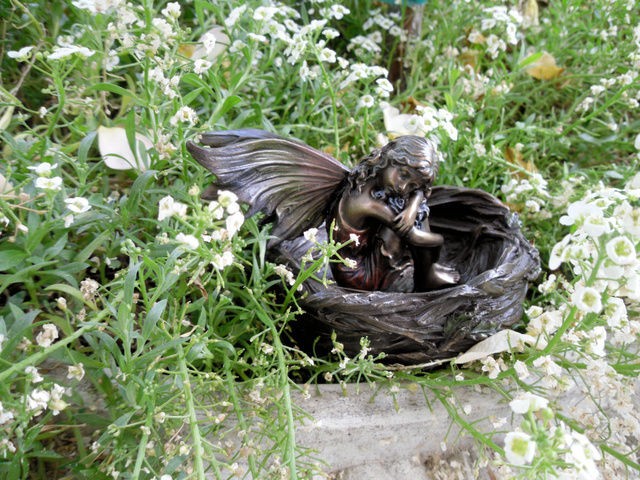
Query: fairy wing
{"x": 282, "y": 178}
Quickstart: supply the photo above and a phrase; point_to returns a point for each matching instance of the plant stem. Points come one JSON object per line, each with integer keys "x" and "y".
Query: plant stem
{"x": 37, "y": 357}
{"x": 196, "y": 437}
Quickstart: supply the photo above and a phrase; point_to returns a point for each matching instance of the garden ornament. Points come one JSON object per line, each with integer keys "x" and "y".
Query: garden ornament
{"x": 428, "y": 271}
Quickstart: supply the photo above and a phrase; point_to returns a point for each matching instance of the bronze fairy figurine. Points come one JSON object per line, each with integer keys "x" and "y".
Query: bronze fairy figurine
{"x": 379, "y": 209}
{"x": 429, "y": 271}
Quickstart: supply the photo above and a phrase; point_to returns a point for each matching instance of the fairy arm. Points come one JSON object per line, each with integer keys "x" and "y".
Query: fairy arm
{"x": 404, "y": 221}
{"x": 357, "y": 209}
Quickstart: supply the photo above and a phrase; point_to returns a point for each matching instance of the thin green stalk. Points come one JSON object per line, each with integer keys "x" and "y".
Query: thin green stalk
{"x": 37, "y": 357}
{"x": 231, "y": 390}
{"x": 283, "y": 373}
{"x": 466, "y": 425}
{"x": 196, "y": 437}
{"x": 334, "y": 103}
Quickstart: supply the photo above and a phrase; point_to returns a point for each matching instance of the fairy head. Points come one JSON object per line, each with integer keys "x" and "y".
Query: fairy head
{"x": 404, "y": 163}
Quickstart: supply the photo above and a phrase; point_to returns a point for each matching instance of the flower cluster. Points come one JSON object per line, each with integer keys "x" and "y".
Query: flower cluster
{"x": 528, "y": 196}
{"x": 564, "y": 453}
{"x": 426, "y": 122}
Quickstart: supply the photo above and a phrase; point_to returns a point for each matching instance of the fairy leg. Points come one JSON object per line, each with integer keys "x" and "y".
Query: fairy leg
{"x": 429, "y": 275}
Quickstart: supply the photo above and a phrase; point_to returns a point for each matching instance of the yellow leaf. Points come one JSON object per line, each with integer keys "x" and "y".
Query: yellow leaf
{"x": 515, "y": 157}
{"x": 544, "y": 68}
{"x": 529, "y": 12}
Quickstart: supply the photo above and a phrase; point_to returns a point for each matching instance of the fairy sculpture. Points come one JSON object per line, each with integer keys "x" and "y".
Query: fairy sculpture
{"x": 430, "y": 270}
{"x": 380, "y": 210}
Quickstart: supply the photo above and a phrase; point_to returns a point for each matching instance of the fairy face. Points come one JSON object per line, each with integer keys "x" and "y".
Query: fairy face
{"x": 404, "y": 180}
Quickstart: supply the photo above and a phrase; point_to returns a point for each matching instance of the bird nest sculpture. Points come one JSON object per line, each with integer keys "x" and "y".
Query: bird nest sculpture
{"x": 429, "y": 270}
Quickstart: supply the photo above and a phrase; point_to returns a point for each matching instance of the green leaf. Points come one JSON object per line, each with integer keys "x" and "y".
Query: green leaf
{"x": 152, "y": 318}
{"x": 11, "y": 257}
{"x": 85, "y": 146}
{"x": 86, "y": 252}
{"x": 110, "y": 87}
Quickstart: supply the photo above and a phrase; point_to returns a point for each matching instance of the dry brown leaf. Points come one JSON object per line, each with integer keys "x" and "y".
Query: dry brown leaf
{"x": 545, "y": 68}
{"x": 515, "y": 157}
{"x": 470, "y": 57}
{"x": 529, "y": 11}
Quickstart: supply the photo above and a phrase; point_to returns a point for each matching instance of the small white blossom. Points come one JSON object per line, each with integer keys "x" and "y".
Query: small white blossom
{"x": 32, "y": 374}
{"x": 75, "y": 372}
{"x": 188, "y": 240}
{"x": 168, "y": 207}
{"x": 621, "y": 251}
{"x": 234, "y": 222}
{"x": 38, "y": 400}
{"x": 54, "y": 183}
{"x": 200, "y": 66}
{"x": 220, "y": 261}
{"x": 48, "y": 335}
{"x": 184, "y": 115}
{"x": 586, "y": 299}
{"x": 68, "y": 220}
{"x": 5, "y": 415}
{"x": 172, "y": 10}
{"x": 56, "y": 403}
{"x": 519, "y": 448}
{"x": 44, "y": 169}
{"x": 216, "y": 210}
{"x": 21, "y": 55}
{"x": 77, "y": 204}
{"x": 528, "y": 402}
{"x": 311, "y": 235}
{"x": 59, "y": 53}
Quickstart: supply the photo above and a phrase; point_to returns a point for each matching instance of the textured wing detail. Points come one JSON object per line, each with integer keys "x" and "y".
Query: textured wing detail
{"x": 281, "y": 178}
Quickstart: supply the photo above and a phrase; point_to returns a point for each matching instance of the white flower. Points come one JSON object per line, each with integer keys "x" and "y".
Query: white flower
{"x": 621, "y": 251}
{"x": 66, "y": 51}
{"x": 328, "y": 55}
{"x": 164, "y": 27}
{"x": 200, "y": 66}
{"x": 172, "y": 10}
{"x": 54, "y": 183}
{"x": 56, "y": 403}
{"x": 521, "y": 369}
{"x": 226, "y": 198}
{"x": 33, "y": 375}
{"x": 366, "y": 101}
{"x": 75, "y": 371}
{"x": 234, "y": 15}
{"x": 615, "y": 312}
{"x": 216, "y": 210}
{"x": 285, "y": 273}
{"x": 21, "y": 55}
{"x": 77, "y": 204}
{"x": 586, "y": 299}
{"x": 5, "y": 415}
{"x": 528, "y": 402}
{"x": 184, "y": 115}
{"x": 38, "y": 400}
{"x": 219, "y": 262}
{"x": 68, "y": 220}
{"x": 234, "y": 222}
{"x": 48, "y": 335}
{"x": 598, "y": 337}
{"x": 187, "y": 240}
{"x": 311, "y": 235}
{"x": 43, "y": 169}
{"x": 519, "y": 448}
{"x": 168, "y": 207}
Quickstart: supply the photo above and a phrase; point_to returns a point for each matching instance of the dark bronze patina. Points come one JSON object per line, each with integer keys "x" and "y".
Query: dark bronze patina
{"x": 434, "y": 269}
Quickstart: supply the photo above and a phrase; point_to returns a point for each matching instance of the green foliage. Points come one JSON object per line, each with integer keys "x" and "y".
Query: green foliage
{"x": 160, "y": 329}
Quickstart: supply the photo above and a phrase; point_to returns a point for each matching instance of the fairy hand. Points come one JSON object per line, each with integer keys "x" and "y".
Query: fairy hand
{"x": 403, "y": 222}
